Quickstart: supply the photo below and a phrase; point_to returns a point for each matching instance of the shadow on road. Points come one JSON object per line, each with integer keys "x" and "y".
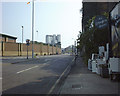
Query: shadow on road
{"x": 38, "y": 86}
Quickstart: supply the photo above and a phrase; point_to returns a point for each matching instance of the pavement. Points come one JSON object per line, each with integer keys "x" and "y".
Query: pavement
{"x": 81, "y": 81}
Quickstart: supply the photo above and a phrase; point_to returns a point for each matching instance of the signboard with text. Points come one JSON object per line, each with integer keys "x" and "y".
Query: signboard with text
{"x": 101, "y": 22}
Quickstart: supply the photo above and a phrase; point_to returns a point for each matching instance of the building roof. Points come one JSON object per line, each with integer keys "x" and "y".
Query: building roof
{"x": 4, "y": 35}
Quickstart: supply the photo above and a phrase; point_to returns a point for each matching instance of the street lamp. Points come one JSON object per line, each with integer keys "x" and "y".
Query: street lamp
{"x": 22, "y": 34}
{"x": 32, "y": 28}
{"x": 37, "y": 34}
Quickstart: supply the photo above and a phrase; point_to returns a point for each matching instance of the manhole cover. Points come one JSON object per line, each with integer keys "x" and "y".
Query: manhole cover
{"x": 77, "y": 86}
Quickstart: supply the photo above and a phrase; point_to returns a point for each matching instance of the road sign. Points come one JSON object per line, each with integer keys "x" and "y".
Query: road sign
{"x": 101, "y": 22}
{"x": 27, "y": 42}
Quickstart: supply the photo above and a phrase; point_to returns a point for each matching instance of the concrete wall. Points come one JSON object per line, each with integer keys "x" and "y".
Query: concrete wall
{"x": 18, "y": 49}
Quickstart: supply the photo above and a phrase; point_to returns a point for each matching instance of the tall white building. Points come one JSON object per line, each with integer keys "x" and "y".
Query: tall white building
{"x": 53, "y": 39}
{"x": 49, "y": 39}
{"x": 58, "y": 38}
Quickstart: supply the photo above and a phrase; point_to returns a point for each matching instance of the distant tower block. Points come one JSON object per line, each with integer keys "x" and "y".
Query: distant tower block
{"x": 53, "y": 39}
{"x": 48, "y": 39}
{"x": 58, "y": 38}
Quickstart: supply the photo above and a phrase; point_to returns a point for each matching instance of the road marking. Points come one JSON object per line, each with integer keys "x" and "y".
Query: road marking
{"x": 27, "y": 69}
{"x": 0, "y": 78}
{"x": 53, "y": 87}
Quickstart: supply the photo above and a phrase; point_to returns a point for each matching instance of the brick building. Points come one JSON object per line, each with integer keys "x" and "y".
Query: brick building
{"x": 7, "y": 38}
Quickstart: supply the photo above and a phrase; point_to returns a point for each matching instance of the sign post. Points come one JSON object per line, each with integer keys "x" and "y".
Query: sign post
{"x": 27, "y": 43}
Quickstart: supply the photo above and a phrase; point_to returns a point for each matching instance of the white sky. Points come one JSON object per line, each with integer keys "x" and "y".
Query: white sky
{"x": 51, "y": 17}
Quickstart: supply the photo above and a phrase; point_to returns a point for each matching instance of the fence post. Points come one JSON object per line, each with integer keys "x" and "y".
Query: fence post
{"x": 42, "y": 49}
{"x": 2, "y": 47}
{"x": 48, "y": 49}
{"x": 52, "y": 49}
{"x": 56, "y": 49}
{"x": 18, "y": 49}
{"x": 21, "y": 49}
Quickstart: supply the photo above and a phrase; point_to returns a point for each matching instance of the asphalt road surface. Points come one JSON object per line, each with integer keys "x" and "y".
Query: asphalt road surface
{"x": 34, "y": 76}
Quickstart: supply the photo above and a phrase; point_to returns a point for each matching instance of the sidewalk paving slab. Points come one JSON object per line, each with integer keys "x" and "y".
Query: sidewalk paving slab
{"x": 82, "y": 81}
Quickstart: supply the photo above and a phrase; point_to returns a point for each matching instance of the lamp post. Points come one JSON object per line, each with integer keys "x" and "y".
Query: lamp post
{"x": 37, "y": 34}
{"x": 22, "y": 34}
{"x": 32, "y": 28}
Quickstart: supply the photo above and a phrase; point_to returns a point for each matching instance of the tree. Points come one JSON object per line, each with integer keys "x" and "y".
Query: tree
{"x": 91, "y": 39}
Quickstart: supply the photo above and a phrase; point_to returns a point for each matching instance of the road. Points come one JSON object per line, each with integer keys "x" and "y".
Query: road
{"x": 34, "y": 76}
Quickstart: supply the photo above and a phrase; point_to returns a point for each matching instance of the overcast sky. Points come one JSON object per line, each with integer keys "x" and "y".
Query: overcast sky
{"x": 51, "y": 17}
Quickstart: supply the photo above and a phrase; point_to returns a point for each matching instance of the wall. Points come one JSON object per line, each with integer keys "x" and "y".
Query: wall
{"x": 7, "y": 39}
{"x": 54, "y": 50}
{"x": 10, "y": 49}
{"x": 50, "y": 50}
{"x": 18, "y": 49}
{"x": 115, "y": 31}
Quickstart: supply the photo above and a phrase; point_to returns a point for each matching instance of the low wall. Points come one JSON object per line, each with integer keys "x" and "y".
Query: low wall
{"x": 18, "y": 49}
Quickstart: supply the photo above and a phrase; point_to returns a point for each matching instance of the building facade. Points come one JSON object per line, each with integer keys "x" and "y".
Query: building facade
{"x": 7, "y": 38}
{"x": 115, "y": 30}
{"x": 91, "y": 9}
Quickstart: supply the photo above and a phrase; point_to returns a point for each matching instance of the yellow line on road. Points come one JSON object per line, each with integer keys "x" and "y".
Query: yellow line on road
{"x": 27, "y": 69}
{"x": 58, "y": 80}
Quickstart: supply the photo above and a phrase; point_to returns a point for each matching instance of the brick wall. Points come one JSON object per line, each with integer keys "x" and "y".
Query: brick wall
{"x": 50, "y": 50}
{"x": 18, "y": 49}
{"x": 44, "y": 50}
{"x": 10, "y": 49}
{"x": 10, "y": 46}
{"x": 54, "y": 50}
